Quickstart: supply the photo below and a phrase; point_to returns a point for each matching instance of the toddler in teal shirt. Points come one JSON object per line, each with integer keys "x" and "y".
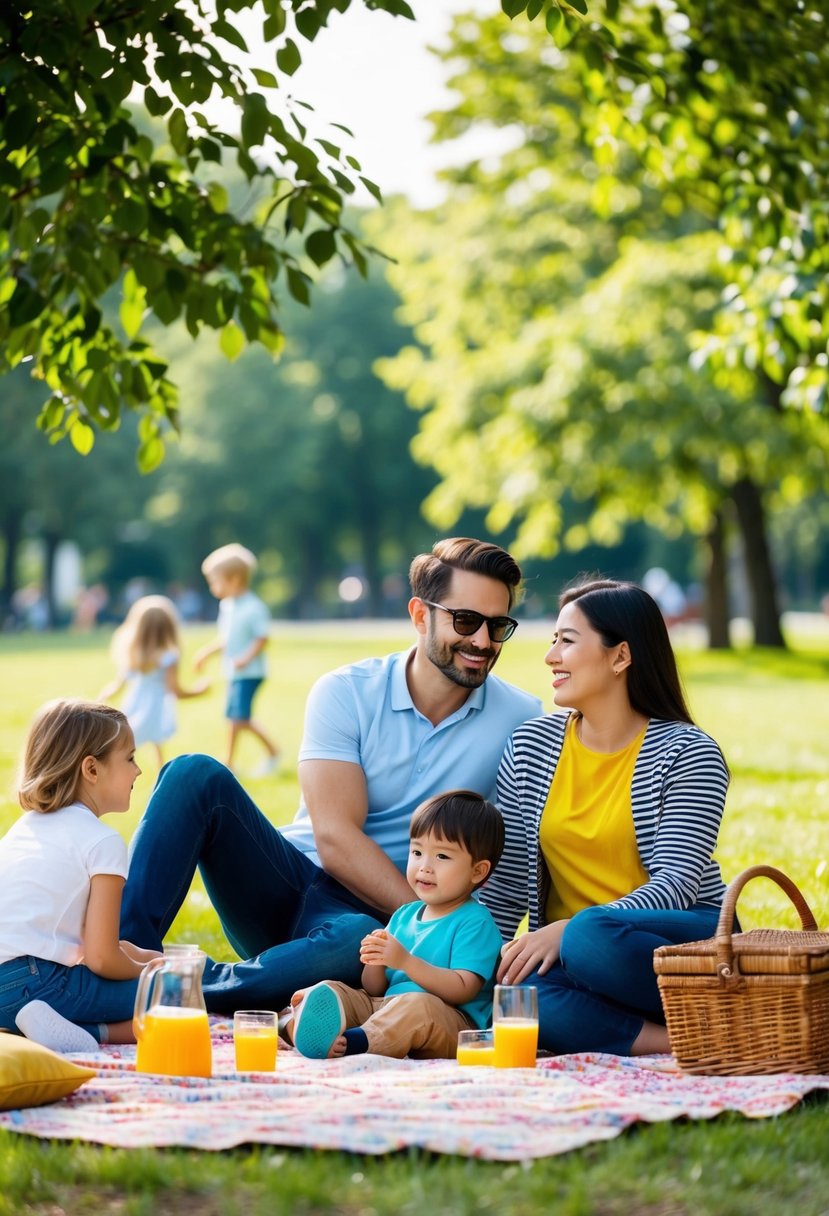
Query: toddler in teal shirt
{"x": 429, "y": 973}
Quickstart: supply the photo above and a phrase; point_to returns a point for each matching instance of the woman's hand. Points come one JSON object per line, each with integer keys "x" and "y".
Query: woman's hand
{"x": 536, "y": 950}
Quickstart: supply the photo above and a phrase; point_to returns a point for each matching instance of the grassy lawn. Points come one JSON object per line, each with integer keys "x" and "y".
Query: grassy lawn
{"x": 771, "y": 715}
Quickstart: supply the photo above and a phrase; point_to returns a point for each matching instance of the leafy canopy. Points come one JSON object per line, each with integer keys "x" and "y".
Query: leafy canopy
{"x": 726, "y": 107}
{"x": 97, "y": 194}
{"x": 563, "y": 313}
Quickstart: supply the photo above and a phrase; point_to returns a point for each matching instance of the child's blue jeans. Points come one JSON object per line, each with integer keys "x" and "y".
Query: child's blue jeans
{"x": 76, "y": 992}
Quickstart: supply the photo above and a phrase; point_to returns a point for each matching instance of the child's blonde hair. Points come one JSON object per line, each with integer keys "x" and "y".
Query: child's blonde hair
{"x": 235, "y": 560}
{"x": 149, "y": 630}
{"x": 61, "y": 736}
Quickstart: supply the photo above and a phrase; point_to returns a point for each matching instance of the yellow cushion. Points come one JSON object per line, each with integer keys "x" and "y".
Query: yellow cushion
{"x": 31, "y": 1075}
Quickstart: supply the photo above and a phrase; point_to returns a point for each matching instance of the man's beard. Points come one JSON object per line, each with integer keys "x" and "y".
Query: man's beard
{"x": 442, "y": 655}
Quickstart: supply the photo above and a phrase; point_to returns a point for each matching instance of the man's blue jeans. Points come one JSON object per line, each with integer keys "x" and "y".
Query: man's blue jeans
{"x": 291, "y": 923}
{"x": 603, "y": 989}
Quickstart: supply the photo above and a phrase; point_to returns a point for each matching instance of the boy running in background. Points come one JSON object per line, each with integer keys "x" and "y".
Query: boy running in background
{"x": 244, "y": 626}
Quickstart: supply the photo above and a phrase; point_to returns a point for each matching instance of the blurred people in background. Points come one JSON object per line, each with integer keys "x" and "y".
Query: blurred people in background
{"x": 89, "y": 605}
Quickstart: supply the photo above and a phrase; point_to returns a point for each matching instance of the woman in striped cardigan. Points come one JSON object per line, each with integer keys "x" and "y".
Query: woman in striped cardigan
{"x": 617, "y": 802}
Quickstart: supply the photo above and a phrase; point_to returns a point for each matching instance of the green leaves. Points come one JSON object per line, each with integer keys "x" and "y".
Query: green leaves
{"x": 96, "y": 199}
{"x": 82, "y": 437}
{"x": 288, "y": 57}
{"x": 26, "y": 304}
{"x": 321, "y": 246}
{"x": 255, "y": 120}
{"x": 599, "y": 339}
{"x": 232, "y": 341}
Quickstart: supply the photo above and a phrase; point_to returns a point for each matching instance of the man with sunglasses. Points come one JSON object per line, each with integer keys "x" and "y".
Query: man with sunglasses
{"x": 381, "y": 736}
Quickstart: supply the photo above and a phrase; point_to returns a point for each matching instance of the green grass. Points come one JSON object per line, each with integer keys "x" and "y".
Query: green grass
{"x": 770, "y": 712}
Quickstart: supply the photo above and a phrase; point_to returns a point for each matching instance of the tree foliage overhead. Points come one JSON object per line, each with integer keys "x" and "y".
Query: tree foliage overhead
{"x": 726, "y": 107}
{"x": 566, "y": 311}
{"x": 91, "y": 198}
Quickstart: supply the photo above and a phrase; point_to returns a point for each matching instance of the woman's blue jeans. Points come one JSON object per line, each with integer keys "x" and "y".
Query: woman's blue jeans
{"x": 603, "y": 989}
{"x": 76, "y": 992}
{"x": 291, "y": 923}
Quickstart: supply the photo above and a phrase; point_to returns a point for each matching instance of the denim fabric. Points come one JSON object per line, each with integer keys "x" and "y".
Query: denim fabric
{"x": 291, "y": 923}
{"x": 75, "y": 992}
{"x": 603, "y": 989}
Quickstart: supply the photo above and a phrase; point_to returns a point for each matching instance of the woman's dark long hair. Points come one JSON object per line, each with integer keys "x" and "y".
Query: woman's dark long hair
{"x": 624, "y": 612}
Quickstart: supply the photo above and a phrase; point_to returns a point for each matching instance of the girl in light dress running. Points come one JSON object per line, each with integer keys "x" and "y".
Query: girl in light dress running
{"x": 146, "y": 650}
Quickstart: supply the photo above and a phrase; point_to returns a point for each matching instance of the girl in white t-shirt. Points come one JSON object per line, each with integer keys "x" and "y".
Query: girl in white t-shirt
{"x": 66, "y": 980}
{"x": 145, "y": 650}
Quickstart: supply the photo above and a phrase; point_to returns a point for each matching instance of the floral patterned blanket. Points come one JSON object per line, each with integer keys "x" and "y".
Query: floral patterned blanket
{"x": 368, "y": 1104}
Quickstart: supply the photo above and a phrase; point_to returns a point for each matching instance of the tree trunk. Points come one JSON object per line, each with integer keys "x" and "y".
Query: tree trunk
{"x": 369, "y": 520}
{"x": 310, "y": 574}
{"x": 50, "y": 547}
{"x": 765, "y": 612}
{"x": 716, "y": 587}
{"x": 12, "y": 532}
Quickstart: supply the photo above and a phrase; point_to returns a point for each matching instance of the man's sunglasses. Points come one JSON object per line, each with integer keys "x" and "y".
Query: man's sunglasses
{"x": 466, "y": 622}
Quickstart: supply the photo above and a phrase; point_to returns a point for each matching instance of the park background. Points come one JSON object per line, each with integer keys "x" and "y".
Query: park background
{"x": 553, "y": 354}
{"x": 522, "y": 361}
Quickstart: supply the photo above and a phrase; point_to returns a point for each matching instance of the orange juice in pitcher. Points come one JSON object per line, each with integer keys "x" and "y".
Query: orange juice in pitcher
{"x": 171, "y": 1026}
{"x": 175, "y": 1042}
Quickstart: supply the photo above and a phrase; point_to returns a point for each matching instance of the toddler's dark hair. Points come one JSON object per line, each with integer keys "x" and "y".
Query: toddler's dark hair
{"x": 465, "y": 818}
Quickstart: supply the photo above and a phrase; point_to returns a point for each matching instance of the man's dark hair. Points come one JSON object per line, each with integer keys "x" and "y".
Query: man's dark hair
{"x": 462, "y": 817}
{"x": 431, "y": 573}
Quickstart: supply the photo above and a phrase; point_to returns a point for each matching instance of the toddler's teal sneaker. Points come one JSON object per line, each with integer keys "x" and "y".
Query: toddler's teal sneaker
{"x": 318, "y": 1021}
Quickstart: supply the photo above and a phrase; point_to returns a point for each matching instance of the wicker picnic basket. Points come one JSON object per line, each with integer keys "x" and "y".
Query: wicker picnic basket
{"x": 755, "y": 1002}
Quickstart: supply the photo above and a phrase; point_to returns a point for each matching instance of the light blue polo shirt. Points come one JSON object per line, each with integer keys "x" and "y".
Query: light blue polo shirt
{"x": 364, "y": 714}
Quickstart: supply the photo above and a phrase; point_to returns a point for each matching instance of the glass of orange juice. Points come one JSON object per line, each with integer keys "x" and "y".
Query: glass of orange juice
{"x": 476, "y": 1047}
{"x": 255, "y": 1035}
{"x": 515, "y": 1025}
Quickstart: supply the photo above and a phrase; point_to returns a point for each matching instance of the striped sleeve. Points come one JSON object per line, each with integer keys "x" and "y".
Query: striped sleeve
{"x": 524, "y": 778}
{"x": 678, "y": 799}
{"x": 505, "y": 892}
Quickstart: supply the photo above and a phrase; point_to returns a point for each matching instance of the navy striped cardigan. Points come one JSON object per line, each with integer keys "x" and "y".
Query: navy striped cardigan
{"x": 677, "y": 797}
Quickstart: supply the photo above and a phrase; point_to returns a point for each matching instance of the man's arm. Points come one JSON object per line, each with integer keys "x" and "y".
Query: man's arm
{"x": 334, "y": 792}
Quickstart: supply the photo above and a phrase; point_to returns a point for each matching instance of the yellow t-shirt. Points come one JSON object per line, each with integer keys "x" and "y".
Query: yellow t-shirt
{"x": 586, "y": 835}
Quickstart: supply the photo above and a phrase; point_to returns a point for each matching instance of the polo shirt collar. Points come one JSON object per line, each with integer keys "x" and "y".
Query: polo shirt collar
{"x": 401, "y": 698}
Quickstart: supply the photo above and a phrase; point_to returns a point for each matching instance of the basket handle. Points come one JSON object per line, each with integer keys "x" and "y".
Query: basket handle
{"x": 725, "y": 950}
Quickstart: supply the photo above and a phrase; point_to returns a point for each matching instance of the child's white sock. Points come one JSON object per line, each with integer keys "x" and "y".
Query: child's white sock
{"x": 43, "y": 1024}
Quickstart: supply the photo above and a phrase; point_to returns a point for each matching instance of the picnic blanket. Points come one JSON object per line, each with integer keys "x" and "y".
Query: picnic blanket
{"x": 369, "y": 1104}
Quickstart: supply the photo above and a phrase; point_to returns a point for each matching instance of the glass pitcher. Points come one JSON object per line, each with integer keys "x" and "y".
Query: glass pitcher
{"x": 170, "y": 1021}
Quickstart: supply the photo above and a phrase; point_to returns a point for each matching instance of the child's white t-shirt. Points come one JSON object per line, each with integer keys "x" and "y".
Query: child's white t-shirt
{"x": 46, "y": 863}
